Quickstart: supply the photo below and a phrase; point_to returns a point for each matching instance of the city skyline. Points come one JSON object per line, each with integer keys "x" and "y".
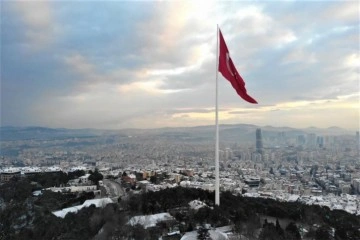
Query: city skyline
{"x": 114, "y": 65}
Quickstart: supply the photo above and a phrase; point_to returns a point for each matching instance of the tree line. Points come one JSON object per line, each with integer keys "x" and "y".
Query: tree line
{"x": 24, "y": 216}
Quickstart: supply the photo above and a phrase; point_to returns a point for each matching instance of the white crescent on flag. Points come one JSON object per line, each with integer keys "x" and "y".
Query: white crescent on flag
{"x": 228, "y": 63}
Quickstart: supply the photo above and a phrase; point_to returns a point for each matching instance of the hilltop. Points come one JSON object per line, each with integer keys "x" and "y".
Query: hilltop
{"x": 228, "y": 132}
{"x": 24, "y": 216}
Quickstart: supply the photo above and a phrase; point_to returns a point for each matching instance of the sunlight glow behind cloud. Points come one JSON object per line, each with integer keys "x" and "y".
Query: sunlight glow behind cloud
{"x": 153, "y": 64}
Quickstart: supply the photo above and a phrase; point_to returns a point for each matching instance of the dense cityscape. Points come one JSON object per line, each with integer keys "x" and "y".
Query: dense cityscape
{"x": 316, "y": 169}
{"x": 309, "y": 166}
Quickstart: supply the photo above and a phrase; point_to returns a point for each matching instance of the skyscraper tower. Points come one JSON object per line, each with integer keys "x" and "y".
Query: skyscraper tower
{"x": 259, "y": 144}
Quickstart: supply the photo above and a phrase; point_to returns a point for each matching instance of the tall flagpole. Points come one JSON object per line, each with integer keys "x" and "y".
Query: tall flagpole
{"x": 217, "y": 181}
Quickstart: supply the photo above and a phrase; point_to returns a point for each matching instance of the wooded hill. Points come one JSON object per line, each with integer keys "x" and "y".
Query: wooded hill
{"x": 24, "y": 216}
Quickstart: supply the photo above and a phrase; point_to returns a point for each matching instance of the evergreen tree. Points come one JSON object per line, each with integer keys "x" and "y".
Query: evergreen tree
{"x": 292, "y": 231}
{"x": 95, "y": 177}
{"x": 203, "y": 234}
{"x": 323, "y": 233}
{"x": 278, "y": 227}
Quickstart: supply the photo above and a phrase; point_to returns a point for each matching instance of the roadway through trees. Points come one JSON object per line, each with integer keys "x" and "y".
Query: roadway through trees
{"x": 113, "y": 188}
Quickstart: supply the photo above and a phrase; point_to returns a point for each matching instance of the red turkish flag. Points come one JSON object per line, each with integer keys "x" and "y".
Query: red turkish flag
{"x": 228, "y": 70}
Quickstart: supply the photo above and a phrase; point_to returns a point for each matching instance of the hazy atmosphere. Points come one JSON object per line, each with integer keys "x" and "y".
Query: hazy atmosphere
{"x": 147, "y": 64}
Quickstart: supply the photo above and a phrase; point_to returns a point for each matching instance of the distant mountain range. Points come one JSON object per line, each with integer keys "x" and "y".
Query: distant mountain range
{"x": 43, "y": 133}
{"x": 228, "y": 132}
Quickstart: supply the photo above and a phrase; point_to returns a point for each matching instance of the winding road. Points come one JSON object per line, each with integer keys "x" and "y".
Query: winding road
{"x": 113, "y": 188}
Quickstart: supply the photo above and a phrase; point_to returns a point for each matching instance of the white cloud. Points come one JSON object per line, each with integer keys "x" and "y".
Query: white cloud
{"x": 352, "y": 61}
{"x": 257, "y": 29}
{"x": 151, "y": 87}
{"x": 162, "y": 70}
{"x": 38, "y": 18}
{"x": 342, "y": 11}
{"x": 300, "y": 56}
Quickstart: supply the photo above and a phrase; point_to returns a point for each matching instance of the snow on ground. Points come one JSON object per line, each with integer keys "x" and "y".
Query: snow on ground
{"x": 150, "y": 220}
{"x": 293, "y": 198}
{"x": 215, "y": 234}
{"x": 196, "y": 204}
{"x": 37, "y": 193}
{"x": 346, "y": 202}
{"x": 102, "y": 202}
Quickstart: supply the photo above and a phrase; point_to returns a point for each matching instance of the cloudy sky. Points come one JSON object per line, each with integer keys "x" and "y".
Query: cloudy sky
{"x": 147, "y": 64}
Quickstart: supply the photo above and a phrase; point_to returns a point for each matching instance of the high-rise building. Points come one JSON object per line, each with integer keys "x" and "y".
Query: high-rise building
{"x": 320, "y": 141}
{"x": 259, "y": 143}
{"x": 301, "y": 140}
{"x": 311, "y": 140}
